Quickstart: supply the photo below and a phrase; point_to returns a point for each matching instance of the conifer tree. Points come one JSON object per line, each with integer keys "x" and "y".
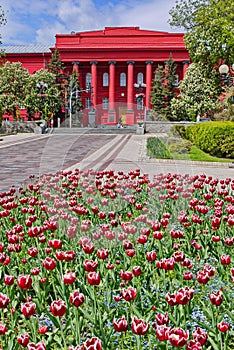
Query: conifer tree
{"x": 163, "y": 90}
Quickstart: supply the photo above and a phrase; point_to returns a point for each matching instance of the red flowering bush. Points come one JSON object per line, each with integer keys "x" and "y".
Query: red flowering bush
{"x": 105, "y": 261}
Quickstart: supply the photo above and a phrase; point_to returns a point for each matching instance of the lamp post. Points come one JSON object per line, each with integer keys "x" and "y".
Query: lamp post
{"x": 226, "y": 74}
{"x": 88, "y": 90}
{"x": 42, "y": 87}
{"x": 140, "y": 98}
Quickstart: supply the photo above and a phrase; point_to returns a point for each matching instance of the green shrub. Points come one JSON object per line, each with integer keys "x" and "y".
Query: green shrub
{"x": 181, "y": 147}
{"x": 157, "y": 148}
{"x": 178, "y": 130}
{"x": 215, "y": 138}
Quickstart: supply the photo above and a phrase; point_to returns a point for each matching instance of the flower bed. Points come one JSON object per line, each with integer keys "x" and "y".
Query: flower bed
{"x": 115, "y": 261}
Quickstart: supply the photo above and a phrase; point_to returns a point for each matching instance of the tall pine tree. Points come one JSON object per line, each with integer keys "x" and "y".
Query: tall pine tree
{"x": 163, "y": 90}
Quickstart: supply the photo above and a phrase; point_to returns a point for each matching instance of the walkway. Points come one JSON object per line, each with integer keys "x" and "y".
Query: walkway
{"x": 23, "y": 155}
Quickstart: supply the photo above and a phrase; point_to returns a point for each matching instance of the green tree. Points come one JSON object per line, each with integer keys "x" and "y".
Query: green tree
{"x": 163, "y": 89}
{"x": 158, "y": 93}
{"x": 42, "y": 95}
{"x": 2, "y": 20}
{"x": 74, "y": 101}
{"x": 170, "y": 84}
{"x": 13, "y": 82}
{"x": 209, "y": 26}
{"x": 198, "y": 95}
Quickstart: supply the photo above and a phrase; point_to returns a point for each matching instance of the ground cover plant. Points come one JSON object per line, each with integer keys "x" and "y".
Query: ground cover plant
{"x": 166, "y": 148}
{"x": 104, "y": 260}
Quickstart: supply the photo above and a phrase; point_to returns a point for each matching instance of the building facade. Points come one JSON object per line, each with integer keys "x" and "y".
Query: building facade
{"x": 115, "y": 62}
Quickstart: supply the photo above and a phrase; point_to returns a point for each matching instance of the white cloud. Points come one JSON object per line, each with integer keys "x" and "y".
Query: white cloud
{"x": 38, "y": 21}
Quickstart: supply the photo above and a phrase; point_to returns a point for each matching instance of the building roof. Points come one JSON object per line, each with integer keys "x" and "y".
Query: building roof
{"x": 24, "y": 49}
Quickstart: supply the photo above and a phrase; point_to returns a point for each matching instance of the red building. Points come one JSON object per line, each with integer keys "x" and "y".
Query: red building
{"x": 112, "y": 60}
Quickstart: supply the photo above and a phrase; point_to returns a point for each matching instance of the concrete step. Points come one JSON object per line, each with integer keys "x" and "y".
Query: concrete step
{"x": 99, "y": 130}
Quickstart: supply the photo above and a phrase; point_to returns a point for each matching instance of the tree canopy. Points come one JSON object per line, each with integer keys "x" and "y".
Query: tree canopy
{"x": 209, "y": 27}
{"x": 198, "y": 95}
{"x": 13, "y": 80}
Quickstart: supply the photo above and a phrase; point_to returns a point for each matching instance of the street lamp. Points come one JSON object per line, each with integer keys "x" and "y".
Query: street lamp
{"x": 42, "y": 87}
{"x": 88, "y": 90}
{"x": 225, "y": 74}
{"x": 140, "y": 98}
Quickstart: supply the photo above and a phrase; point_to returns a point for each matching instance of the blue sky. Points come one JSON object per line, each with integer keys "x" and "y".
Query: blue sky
{"x": 38, "y": 21}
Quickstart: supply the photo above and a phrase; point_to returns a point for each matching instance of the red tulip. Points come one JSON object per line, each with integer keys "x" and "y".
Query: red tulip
{"x": 127, "y": 244}
{"x": 102, "y": 253}
{"x": 130, "y": 252}
{"x": 136, "y": 270}
{"x": 184, "y": 295}
{"x": 139, "y": 327}
{"x": 188, "y": 275}
{"x": 24, "y": 282}
{"x": 168, "y": 264}
{"x": 39, "y": 346}
{"x": 77, "y": 298}
{"x": 23, "y": 339}
{"x": 203, "y": 277}
{"x": 193, "y": 345}
{"x": 35, "y": 271}
{"x": 200, "y": 336}
{"x": 3, "y": 328}
{"x": 93, "y": 344}
{"x": 69, "y": 278}
{"x": 93, "y": 278}
{"x": 171, "y": 299}
{"x": 225, "y": 259}
{"x": 28, "y": 309}
{"x": 162, "y": 319}
{"x": 32, "y": 251}
{"x": 88, "y": 248}
{"x": 55, "y": 243}
{"x": 58, "y": 308}
{"x": 223, "y": 326}
{"x": 126, "y": 275}
{"x": 142, "y": 239}
{"x": 90, "y": 265}
{"x": 151, "y": 256}
{"x": 43, "y": 330}
{"x": 178, "y": 337}
{"x": 129, "y": 294}
{"x": 216, "y": 298}
{"x": 161, "y": 332}
{"x": 120, "y": 325}
{"x": 8, "y": 280}
{"x": 49, "y": 263}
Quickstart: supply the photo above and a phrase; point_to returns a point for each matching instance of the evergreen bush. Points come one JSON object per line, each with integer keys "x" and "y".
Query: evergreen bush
{"x": 215, "y": 138}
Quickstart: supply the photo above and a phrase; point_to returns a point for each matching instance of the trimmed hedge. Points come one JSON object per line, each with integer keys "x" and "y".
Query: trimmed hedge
{"x": 215, "y": 138}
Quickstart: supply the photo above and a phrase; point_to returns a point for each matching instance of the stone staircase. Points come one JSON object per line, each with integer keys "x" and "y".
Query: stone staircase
{"x": 97, "y": 130}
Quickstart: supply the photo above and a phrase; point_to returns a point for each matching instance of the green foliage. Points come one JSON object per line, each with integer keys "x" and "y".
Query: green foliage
{"x": 226, "y": 111}
{"x": 198, "y": 95}
{"x": 2, "y": 19}
{"x": 215, "y": 138}
{"x": 178, "y": 130}
{"x": 184, "y": 146}
{"x": 13, "y": 82}
{"x": 163, "y": 90}
{"x": 209, "y": 29}
{"x": 44, "y": 101}
{"x": 157, "y": 148}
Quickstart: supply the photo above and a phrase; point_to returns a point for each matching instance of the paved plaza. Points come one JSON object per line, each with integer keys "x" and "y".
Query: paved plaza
{"x": 23, "y": 155}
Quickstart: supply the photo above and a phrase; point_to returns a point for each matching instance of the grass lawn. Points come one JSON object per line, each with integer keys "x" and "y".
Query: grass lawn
{"x": 198, "y": 155}
{"x": 157, "y": 148}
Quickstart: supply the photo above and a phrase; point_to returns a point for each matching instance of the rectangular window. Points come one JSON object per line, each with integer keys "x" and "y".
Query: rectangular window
{"x": 105, "y": 103}
{"x": 88, "y": 103}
